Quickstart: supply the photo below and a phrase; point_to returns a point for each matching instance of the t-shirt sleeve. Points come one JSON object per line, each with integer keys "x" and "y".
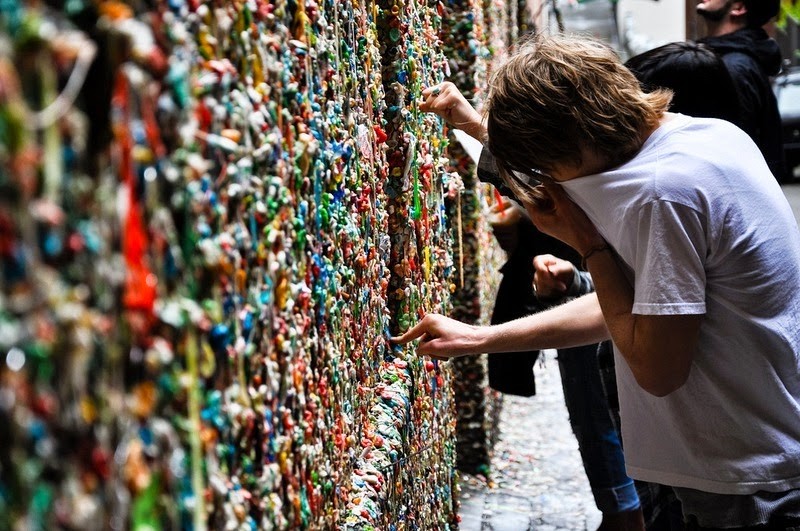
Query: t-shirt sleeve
{"x": 670, "y": 257}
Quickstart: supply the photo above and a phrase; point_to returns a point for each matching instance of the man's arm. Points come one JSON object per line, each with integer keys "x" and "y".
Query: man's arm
{"x": 659, "y": 349}
{"x": 578, "y": 322}
{"x": 447, "y": 102}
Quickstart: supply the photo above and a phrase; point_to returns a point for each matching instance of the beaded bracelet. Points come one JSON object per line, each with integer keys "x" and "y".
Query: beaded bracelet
{"x": 593, "y": 250}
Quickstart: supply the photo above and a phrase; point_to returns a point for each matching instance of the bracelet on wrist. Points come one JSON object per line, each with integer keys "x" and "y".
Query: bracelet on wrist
{"x": 592, "y": 251}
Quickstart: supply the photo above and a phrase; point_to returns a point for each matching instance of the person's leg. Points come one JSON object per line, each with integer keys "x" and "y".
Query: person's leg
{"x": 661, "y": 509}
{"x": 598, "y": 441}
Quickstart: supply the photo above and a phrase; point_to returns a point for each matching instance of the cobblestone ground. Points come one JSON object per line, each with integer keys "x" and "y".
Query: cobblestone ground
{"x": 537, "y": 481}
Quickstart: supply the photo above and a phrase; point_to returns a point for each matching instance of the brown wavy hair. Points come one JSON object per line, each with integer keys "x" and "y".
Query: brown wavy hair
{"x": 559, "y": 95}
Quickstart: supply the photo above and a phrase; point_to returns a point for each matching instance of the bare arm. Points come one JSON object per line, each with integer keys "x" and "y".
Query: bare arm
{"x": 579, "y": 322}
{"x": 447, "y": 102}
{"x": 659, "y": 349}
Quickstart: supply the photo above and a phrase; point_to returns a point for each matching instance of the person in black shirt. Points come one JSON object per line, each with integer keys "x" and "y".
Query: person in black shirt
{"x": 735, "y": 32}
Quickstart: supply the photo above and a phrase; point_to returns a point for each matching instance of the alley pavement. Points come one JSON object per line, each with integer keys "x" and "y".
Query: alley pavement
{"x": 537, "y": 480}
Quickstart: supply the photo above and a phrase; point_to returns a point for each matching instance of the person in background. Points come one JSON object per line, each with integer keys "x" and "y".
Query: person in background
{"x": 734, "y": 31}
{"x": 675, "y": 218}
{"x": 590, "y": 418}
{"x": 700, "y": 82}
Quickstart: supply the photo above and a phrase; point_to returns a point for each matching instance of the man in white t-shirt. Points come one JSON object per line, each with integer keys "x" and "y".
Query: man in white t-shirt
{"x": 695, "y": 256}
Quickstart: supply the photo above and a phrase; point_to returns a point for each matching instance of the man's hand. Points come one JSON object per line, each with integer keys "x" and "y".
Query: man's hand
{"x": 446, "y": 101}
{"x": 563, "y": 219}
{"x": 578, "y": 322}
{"x": 504, "y": 218}
{"x": 443, "y": 338}
{"x": 505, "y": 214}
{"x": 551, "y": 276}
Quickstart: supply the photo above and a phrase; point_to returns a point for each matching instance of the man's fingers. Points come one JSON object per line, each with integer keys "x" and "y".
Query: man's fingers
{"x": 427, "y": 331}
{"x": 431, "y": 348}
{"x": 439, "y": 88}
{"x": 415, "y": 332}
{"x": 434, "y": 105}
{"x": 541, "y": 262}
{"x": 440, "y": 99}
{"x": 434, "y": 90}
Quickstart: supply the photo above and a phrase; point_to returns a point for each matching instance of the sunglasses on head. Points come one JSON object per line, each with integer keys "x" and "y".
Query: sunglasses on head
{"x": 533, "y": 178}
{"x": 529, "y": 182}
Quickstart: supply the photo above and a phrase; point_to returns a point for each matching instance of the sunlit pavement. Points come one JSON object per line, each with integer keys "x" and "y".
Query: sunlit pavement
{"x": 538, "y": 480}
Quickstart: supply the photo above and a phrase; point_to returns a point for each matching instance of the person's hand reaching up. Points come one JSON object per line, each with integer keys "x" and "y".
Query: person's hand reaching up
{"x": 446, "y": 101}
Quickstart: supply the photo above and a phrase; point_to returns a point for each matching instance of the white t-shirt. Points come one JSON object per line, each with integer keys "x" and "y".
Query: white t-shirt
{"x": 704, "y": 228}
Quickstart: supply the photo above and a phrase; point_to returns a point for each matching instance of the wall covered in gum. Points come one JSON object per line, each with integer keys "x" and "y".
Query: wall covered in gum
{"x": 212, "y": 218}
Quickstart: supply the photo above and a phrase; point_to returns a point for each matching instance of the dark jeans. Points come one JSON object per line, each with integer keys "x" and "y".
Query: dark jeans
{"x": 598, "y": 440}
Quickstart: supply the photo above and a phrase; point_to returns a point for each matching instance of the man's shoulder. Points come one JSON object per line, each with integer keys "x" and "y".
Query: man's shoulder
{"x": 683, "y": 130}
{"x": 747, "y": 50}
{"x": 683, "y": 148}
{"x": 744, "y": 70}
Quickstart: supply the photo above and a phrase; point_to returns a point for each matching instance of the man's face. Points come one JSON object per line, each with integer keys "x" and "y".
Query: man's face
{"x": 714, "y": 10}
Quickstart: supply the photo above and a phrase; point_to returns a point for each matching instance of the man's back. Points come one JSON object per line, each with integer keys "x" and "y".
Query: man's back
{"x": 751, "y": 57}
{"x": 695, "y": 229}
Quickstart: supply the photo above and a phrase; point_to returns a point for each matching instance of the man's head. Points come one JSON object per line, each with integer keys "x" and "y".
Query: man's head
{"x": 714, "y": 11}
{"x": 751, "y": 13}
{"x": 560, "y": 100}
{"x": 698, "y": 78}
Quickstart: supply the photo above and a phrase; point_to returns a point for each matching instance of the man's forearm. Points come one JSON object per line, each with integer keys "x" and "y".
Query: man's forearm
{"x": 657, "y": 348}
{"x": 615, "y": 296}
{"x": 475, "y": 128}
{"x": 578, "y": 322}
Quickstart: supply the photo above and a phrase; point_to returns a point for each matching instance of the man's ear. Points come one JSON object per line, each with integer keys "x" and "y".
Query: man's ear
{"x": 738, "y": 11}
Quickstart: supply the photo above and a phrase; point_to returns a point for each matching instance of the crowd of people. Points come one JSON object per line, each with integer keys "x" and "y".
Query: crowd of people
{"x": 663, "y": 261}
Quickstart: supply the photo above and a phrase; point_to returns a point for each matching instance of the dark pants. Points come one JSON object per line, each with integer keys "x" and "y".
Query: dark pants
{"x": 598, "y": 440}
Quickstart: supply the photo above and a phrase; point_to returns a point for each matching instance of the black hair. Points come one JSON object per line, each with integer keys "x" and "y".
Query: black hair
{"x": 699, "y": 80}
{"x": 759, "y": 12}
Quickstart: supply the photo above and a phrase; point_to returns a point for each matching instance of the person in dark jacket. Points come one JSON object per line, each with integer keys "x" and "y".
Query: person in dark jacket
{"x": 698, "y": 78}
{"x": 735, "y": 32}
